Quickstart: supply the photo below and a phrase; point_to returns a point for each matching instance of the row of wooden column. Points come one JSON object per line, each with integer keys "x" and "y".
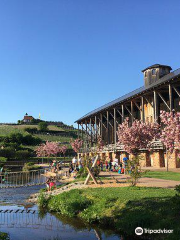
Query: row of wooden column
{"x": 94, "y": 125}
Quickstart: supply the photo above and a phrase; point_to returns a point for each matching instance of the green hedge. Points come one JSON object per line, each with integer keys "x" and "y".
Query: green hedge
{"x": 122, "y": 209}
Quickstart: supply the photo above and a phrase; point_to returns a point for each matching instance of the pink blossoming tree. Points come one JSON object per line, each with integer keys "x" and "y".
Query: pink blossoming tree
{"x": 76, "y": 144}
{"x": 48, "y": 149}
{"x": 138, "y": 136}
{"x": 63, "y": 150}
{"x": 133, "y": 138}
{"x": 170, "y": 132}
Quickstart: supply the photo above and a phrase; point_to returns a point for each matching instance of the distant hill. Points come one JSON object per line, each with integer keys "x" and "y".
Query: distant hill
{"x": 57, "y": 131}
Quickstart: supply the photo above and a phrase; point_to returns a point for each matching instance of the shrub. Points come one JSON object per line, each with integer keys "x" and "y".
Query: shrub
{"x": 30, "y": 140}
{"x": 42, "y": 200}
{"x": 3, "y": 160}
{"x": 16, "y": 138}
{"x": 31, "y": 130}
{"x": 134, "y": 170}
{"x": 4, "y": 236}
{"x": 23, "y": 154}
{"x": 177, "y": 188}
{"x": 7, "y": 152}
{"x": 43, "y": 126}
{"x": 69, "y": 203}
{"x": 30, "y": 166}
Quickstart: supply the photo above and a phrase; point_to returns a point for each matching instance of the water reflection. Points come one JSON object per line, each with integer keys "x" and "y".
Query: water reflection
{"x": 22, "y": 223}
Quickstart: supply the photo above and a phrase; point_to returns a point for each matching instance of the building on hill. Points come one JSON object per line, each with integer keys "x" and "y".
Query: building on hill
{"x": 27, "y": 118}
{"x": 161, "y": 91}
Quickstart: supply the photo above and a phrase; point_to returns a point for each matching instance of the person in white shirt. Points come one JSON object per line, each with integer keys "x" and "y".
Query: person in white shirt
{"x": 115, "y": 162}
{"x": 74, "y": 161}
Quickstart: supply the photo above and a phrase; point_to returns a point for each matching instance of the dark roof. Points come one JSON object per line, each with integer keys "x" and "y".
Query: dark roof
{"x": 140, "y": 90}
{"x": 157, "y": 66}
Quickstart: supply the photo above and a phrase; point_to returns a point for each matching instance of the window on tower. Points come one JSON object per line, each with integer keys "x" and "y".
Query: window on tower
{"x": 154, "y": 72}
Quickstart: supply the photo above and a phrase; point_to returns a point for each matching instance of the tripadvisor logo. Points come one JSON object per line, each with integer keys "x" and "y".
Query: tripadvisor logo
{"x": 138, "y": 231}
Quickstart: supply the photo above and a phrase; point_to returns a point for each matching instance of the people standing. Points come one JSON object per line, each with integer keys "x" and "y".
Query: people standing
{"x": 74, "y": 162}
{"x": 115, "y": 162}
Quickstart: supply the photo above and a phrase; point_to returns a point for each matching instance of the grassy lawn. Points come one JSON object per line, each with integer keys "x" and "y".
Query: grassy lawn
{"x": 50, "y": 127}
{"x": 53, "y": 138}
{"x": 122, "y": 209}
{"x": 7, "y": 130}
{"x": 163, "y": 175}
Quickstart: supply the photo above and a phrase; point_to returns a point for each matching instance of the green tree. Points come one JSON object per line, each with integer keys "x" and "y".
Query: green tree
{"x": 43, "y": 126}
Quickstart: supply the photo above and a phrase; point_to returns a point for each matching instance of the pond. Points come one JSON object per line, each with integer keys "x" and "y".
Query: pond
{"x": 22, "y": 220}
{"x": 27, "y": 223}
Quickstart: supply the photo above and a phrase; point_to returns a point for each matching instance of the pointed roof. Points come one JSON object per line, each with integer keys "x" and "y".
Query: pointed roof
{"x": 157, "y": 66}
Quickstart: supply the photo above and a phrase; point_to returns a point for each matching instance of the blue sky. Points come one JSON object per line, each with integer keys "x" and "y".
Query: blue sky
{"x": 63, "y": 58}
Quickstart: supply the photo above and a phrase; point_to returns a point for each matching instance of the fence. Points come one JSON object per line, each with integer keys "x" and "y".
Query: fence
{"x": 22, "y": 179}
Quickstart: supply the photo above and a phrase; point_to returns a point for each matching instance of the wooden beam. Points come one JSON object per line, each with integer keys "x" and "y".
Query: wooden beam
{"x": 132, "y": 112}
{"x": 122, "y": 109}
{"x": 88, "y": 176}
{"x": 78, "y": 130}
{"x": 137, "y": 105}
{"x": 115, "y": 126}
{"x": 90, "y": 122}
{"x": 101, "y": 126}
{"x": 107, "y": 127}
{"x": 119, "y": 112}
{"x": 170, "y": 98}
{"x": 155, "y": 107}
{"x": 92, "y": 176}
{"x": 164, "y": 100}
{"x": 82, "y": 130}
{"x": 96, "y": 127}
{"x": 142, "y": 109}
{"x": 87, "y": 139}
{"x": 148, "y": 101}
{"x": 128, "y": 110}
{"x": 175, "y": 89}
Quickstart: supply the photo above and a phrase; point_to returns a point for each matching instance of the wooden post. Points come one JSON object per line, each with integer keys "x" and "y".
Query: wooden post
{"x": 91, "y": 174}
{"x": 88, "y": 176}
{"x": 90, "y": 122}
{"x": 78, "y": 130}
{"x": 122, "y": 107}
{"x": 170, "y": 98}
{"x": 96, "y": 127}
{"x": 142, "y": 109}
{"x": 82, "y": 130}
{"x": 107, "y": 127}
{"x": 86, "y": 135}
{"x": 115, "y": 127}
{"x": 155, "y": 107}
{"x": 101, "y": 125}
{"x": 132, "y": 112}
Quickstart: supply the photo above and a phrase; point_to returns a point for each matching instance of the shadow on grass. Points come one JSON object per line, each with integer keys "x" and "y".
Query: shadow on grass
{"x": 156, "y": 213}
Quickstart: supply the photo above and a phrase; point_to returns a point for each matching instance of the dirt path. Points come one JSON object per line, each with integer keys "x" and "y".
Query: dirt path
{"x": 113, "y": 179}
{"x": 144, "y": 181}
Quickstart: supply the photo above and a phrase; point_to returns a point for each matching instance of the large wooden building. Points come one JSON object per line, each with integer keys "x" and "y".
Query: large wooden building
{"x": 161, "y": 91}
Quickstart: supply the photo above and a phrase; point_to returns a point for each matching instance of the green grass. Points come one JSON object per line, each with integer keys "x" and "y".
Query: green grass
{"x": 163, "y": 175}
{"x": 122, "y": 209}
{"x": 48, "y": 137}
{"x": 50, "y": 127}
{"x": 7, "y": 130}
